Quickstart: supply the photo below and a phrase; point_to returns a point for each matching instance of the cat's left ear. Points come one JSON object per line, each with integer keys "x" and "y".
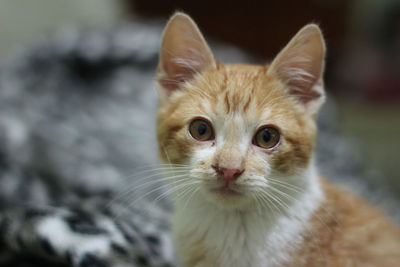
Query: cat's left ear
{"x": 183, "y": 54}
{"x": 300, "y": 65}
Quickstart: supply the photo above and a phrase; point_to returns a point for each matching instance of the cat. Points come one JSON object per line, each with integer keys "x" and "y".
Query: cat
{"x": 239, "y": 139}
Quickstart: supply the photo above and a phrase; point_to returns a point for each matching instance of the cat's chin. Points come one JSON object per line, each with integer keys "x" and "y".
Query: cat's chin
{"x": 227, "y": 198}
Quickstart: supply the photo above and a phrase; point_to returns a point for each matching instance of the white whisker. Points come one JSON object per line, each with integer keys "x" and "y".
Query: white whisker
{"x": 174, "y": 189}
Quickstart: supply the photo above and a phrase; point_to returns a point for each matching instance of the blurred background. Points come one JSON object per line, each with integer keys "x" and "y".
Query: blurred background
{"x": 363, "y": 37}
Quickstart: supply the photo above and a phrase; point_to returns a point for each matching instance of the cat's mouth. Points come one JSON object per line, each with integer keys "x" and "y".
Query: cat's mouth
{"x": 226, "y": 191}
{"x": 232, "y": 196}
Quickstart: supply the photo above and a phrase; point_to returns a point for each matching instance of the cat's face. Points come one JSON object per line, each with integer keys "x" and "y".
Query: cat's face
{"x": 235, "y": 131}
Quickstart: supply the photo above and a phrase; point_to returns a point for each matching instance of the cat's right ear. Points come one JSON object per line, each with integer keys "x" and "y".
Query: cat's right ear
{"x": 300, "y": 65}
{"x": 183, "y": 53}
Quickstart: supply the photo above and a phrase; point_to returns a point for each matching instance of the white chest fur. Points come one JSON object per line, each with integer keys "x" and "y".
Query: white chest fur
{"x": 210, "y": 236}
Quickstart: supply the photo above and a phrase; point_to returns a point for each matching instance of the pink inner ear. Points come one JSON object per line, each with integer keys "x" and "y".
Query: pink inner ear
{"x": 183, "y": 65}
{"x": 305, "y": 96}
{"x": 300, "y": 66}
{"x": 302, "y": 81}
{"x": 183, "y": 53}
{"x": 175, "y": 75}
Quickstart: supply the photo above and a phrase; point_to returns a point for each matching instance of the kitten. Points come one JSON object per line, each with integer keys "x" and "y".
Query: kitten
{"x": 240, "y": 141}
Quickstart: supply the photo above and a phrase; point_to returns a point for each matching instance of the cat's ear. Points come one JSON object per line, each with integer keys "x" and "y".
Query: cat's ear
{"x": 300, "y": 65}
{"x": 183, "y": 53}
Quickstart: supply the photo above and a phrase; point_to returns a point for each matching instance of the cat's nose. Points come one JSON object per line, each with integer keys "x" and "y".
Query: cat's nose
{"x": 227, "y": 173}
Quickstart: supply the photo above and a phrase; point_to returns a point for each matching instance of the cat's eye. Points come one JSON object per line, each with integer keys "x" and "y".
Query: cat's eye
{"x": 201, "y": 130}
{"x": 267, "y": 137}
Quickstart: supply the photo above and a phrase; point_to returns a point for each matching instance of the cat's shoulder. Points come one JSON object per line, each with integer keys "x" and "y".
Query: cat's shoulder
{"x": 347, "y": 230}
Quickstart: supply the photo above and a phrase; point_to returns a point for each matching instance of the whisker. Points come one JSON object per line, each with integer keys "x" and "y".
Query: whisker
{"x": 154, "y": 190}
{"x": 296, "y": 200}
{"x": 173, "y": 189}
{"x": 166, "y": 168}
{"x": 182, "y": 194}
{"x": 191, "y": 196}
{"x": 260, "y": 205}
{"x": 147, "y": 184}
{"x": 270, "y": 203}
{"x": 279, "y": 201}
{"x": 300, "y": 191}
{"x": 138, "y": 184}
{"x": 287, "y": 186}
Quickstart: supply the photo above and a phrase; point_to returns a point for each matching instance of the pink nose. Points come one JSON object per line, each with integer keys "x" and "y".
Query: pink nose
{"x": 228, "y": 174}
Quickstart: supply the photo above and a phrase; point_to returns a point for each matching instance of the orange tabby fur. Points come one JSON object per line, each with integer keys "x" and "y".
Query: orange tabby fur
{"x": 346, "y": 231}
{"x": 343, "y": 230}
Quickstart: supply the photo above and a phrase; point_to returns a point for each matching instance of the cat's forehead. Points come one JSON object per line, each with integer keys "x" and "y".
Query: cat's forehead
{"x": 238, "y": 77}
{"x": 238, "y": 90}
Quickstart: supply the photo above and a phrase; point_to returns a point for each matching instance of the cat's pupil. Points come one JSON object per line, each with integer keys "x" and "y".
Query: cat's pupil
{"x": 266, "y": 136}
{"x": 202, "y": 129}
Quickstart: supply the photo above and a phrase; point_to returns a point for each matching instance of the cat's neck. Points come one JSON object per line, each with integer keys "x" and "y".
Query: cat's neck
{"x": 244, "y": 235}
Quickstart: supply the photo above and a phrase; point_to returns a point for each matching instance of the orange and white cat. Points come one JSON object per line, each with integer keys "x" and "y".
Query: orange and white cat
{"x": 240, "y": 141}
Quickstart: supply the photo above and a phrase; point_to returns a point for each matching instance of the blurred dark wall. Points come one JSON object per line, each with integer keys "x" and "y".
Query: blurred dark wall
{"x": 259, "y": 27}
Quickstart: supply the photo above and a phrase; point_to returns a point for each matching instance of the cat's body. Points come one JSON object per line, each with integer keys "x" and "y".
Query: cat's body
{"x": 240, "y": 140}
{"x": 343, "y": 231}
{"x": 346, "y": 231}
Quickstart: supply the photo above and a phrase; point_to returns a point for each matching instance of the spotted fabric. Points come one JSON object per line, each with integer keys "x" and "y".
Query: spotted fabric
{"x": 89, "y": 235}
{"x": 77, "y": 124}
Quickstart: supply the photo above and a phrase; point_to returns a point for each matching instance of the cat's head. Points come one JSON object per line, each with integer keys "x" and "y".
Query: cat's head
{"x": 234, "y": 132}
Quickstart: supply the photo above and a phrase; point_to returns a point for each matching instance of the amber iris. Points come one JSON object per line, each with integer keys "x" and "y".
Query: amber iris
{"x": 267, "y": 137}
{"x": 201, "y": 130}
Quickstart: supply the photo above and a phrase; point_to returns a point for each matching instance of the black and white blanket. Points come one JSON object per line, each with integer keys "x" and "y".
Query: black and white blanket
{"x": 78, "y": 148}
